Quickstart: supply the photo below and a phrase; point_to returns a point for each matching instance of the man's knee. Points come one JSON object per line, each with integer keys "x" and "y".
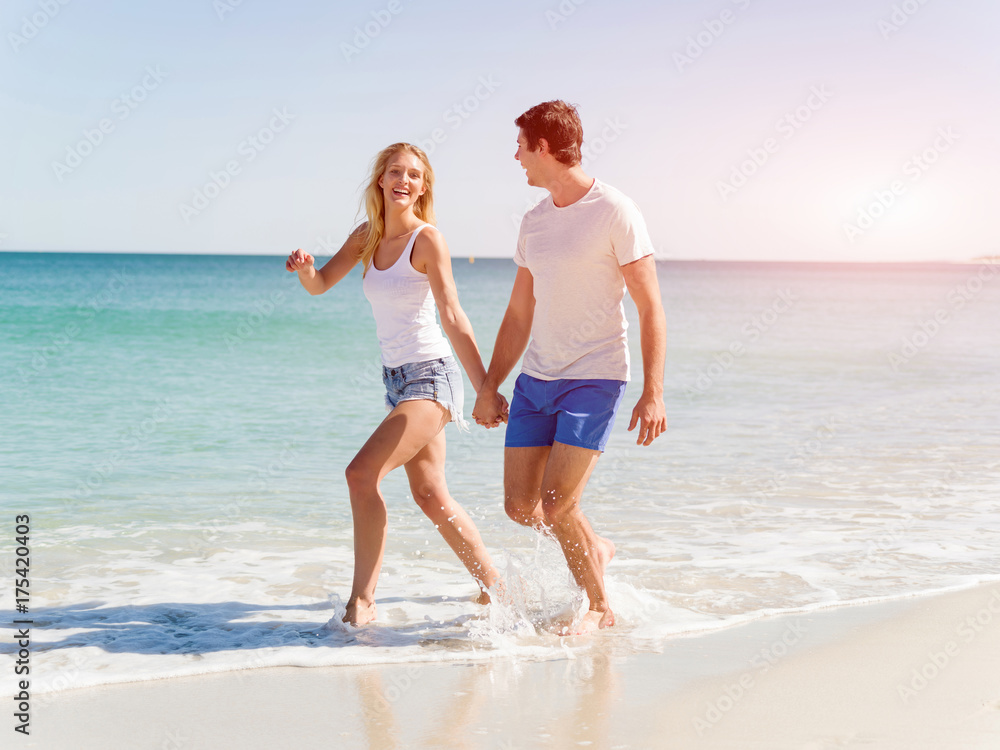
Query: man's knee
{"x": 521, "y": 509}
{"x": 556, "y": 505}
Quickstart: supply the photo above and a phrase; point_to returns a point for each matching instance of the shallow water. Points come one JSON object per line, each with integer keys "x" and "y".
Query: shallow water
{"x": 177, "y": 429}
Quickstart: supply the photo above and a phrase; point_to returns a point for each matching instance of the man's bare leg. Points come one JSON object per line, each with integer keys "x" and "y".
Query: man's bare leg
{"x": 543, "y": 489}
{"x": 523, "y": 469}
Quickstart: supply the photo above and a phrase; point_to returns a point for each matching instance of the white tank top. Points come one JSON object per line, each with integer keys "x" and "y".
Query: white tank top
{"x": 405, "y": 312}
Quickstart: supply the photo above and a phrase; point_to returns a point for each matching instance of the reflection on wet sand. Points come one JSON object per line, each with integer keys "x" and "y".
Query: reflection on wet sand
{"x": 493, "y": 704}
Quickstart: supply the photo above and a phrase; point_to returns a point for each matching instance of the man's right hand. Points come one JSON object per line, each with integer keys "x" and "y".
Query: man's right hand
{"x": 299, "y": 261}
{"x": 490, "y": 410}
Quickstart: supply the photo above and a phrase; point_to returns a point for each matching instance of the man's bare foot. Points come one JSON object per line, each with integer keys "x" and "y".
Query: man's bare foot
{"x": 359, "y": 612}
{"x": 593, "y": 621}
{"x": 484, "y": 597}
{"x": 605, "y": 552}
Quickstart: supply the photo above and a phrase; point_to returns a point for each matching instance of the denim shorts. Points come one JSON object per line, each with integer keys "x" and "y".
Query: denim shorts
{"x": 573, "y": 412}
{"x": 432, "y": 380}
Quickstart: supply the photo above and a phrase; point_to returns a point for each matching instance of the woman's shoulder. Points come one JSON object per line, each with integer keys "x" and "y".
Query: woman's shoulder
{"x": 429, "y": 237}
{"x": 431, "y": 232}
{"x": 429, "y": 247}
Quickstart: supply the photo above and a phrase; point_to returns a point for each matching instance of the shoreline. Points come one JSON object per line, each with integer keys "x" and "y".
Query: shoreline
{"x": 289, "y": 657}
{"x": 906, "y": 673}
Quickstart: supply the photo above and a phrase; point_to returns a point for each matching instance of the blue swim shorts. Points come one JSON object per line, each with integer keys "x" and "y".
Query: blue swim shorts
{"x": 433, "y": 379}
{"x": 572, "y": 412}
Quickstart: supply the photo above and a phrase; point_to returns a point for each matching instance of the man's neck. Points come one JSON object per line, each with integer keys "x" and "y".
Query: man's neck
{"x": 569, "y": 185}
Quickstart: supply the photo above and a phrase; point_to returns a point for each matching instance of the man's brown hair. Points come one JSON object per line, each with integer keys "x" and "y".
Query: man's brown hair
{"x": 559, "y": 124}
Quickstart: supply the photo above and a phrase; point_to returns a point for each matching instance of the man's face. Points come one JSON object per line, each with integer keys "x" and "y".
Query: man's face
{"x": 529, "y": 159}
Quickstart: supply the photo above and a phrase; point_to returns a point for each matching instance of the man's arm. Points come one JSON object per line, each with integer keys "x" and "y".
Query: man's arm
{"x": 649, "y": 413}
{"x": 512, "y": 340}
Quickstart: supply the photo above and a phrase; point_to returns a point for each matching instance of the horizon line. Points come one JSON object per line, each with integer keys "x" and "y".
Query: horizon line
{"x": 473, "y": 258}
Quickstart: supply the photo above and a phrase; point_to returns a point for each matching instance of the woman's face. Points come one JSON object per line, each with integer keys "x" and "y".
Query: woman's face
{"x": 402, "y": 182}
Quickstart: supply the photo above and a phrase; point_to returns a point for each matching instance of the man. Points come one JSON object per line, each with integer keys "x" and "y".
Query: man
{"x": 577, "y": 252}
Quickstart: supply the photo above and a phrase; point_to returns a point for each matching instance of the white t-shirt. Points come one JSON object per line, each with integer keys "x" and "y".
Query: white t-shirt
{"x": 575, "y": 254}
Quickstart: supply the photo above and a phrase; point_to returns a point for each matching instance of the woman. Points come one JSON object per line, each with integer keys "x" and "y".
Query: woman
{"x": 407, "y": 270}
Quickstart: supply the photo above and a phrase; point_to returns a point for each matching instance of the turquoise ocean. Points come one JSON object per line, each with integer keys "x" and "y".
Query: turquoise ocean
{"x": 176, "y": 428}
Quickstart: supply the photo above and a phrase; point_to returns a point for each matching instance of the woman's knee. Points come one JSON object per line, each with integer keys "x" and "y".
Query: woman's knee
{"x": 359, "y": 476}
{"x": 431, "y": 496}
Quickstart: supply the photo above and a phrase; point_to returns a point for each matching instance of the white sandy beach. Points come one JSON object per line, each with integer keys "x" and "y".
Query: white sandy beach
{"x": 910, "y": 674}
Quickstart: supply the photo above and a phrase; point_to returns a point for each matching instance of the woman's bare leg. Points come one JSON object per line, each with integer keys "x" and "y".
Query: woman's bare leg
{"x": 430, "y": 491}
{"x": 404, "y": 432}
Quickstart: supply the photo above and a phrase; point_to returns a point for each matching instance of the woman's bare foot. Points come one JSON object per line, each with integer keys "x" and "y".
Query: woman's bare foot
{"x": 359, "y": 612}
{"x": 499, "y": 589}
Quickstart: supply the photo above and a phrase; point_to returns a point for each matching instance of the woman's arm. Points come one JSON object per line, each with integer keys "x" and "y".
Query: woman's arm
{"x": 512, "y": 340}
{"x": 317, "y": 282}
{"x": 431, "y": 256}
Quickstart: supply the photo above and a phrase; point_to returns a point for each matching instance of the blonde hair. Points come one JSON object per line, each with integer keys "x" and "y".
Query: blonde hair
{"x": 373, "y": 201}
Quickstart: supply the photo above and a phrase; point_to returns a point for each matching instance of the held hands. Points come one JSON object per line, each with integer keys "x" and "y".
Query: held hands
{"x": 299, "y": 261}
{"x": 651, "y": 416}
{"x": 490, "y": 410}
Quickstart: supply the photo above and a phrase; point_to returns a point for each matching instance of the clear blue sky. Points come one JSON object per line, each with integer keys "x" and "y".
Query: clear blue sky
{"x": 744, "y": 129}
